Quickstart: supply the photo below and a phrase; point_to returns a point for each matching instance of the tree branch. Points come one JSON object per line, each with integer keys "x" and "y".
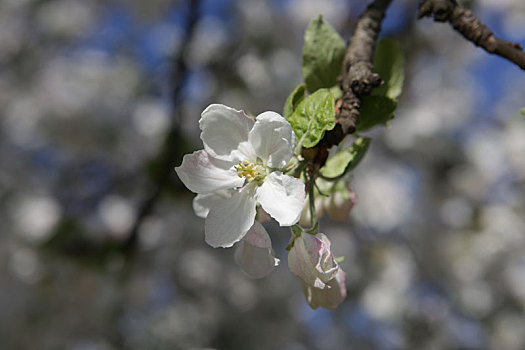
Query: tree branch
{"x": 357, "y": 79}
{"x": 464, "y": 22}
{"x": 168, "y": 155}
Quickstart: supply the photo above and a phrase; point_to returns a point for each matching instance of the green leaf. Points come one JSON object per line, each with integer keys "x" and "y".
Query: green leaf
{"x": 346, "y": 160}
{"x": 323, "y": 54}
{"x": 293, "y": 100}
{"x": 388, "y": 63}
{"x": 336, "y": 91}
{"x": 375, "y": 110}
{"x": 522, "y": 111}
{"x": 313, "y": 116}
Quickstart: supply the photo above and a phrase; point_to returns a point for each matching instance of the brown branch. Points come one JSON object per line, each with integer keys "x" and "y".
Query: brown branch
{"x": 357, "y": 80}
{"x": 167, "y": 154}
{"x": 464, "y": 22}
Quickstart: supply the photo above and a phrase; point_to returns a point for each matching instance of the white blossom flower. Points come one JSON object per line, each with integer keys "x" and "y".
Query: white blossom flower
{"x": 242, "y": 156}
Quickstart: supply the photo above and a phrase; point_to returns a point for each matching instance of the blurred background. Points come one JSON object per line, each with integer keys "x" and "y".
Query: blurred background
{"x": 99, "y": 246}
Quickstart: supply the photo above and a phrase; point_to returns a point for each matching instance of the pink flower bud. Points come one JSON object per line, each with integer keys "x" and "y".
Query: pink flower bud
{"x": 331, "y": 296}
{"x": 311, "y": 260}
{"x": 339, "y": 205}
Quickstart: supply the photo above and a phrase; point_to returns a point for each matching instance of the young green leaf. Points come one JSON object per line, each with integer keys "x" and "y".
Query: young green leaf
{"x": 293, "y": 100}
{"x": 336, "y": 91}
{"x": 346, "y": 160}
{"x": 323, "y": 54}
{"x": 313, "y": 116}
{"x": 375, "y": 110}
{"x": 388, "y": 63}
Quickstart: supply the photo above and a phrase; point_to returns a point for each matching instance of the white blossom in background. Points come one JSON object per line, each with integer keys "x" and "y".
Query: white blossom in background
{"x": 36, "y": 216}
{"x": 257, "y": 15}
{"x": 323, "y": 281}
{"x": 334, "y": 11}
{"x": 380, "y": 193}
{"x": 25, "y": 264}
{"x": 117, "y": 215}
{"x": 208, "y": 41}
{"x": 238, "y": 168}
{"x": 66, "y": 18}
{"x": 386, "y": 296}
{"x": 151, "y": 118}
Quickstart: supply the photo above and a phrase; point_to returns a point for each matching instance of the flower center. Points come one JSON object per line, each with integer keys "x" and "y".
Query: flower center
{"x": 250, "y": 171}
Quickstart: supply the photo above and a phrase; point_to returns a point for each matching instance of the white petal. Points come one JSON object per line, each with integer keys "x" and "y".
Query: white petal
{"x": 244, "y": 152}
{"x": 258, "y": 237}
{"x": 272, "y": 139}
{"x": 203, "y": 202}
{"x": 254, "y": 254}
{"x": 230, "y": 219}
{"x": 223, "y": 129}
{"x": 203, "y": 174}
{"x": 282, "y": 197}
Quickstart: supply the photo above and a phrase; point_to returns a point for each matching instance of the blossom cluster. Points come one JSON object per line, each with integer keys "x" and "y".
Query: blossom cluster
{"x": 245, "y": 164}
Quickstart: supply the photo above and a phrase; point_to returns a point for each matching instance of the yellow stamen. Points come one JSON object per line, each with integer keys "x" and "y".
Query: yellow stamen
{"x": 249, "y": 170}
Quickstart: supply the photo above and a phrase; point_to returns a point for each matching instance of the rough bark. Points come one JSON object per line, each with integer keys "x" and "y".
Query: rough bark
{"x": 357, "y": 80}
{"x": 464, "y": 22}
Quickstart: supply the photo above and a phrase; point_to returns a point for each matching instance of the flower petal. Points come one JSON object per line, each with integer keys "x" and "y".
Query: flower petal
{"x": 282, "y": 197}
{"x": 230, "y": 219}
{"x": 203, "y": 202}
{"x": 254, "y": 254}
{"x": 272, "y": 139}
{"x": 203, "y": 174}
{"x": 311, "y": 260}
{"x": 223, "y": 129}
{"x": 329, "y": 297}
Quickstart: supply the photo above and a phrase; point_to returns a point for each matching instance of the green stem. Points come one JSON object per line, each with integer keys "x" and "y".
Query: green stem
{"x": 297, "y": 229}
{"x": 311, "y": 197}
{"x": 296, "y": 232}
{"x": 332, "y": 179}
{"x": 314, "y": 228}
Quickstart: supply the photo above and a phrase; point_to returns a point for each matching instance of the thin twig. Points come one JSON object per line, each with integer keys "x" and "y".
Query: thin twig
{"x": 167, "y": 153}
{"x": 464, "y": 22}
